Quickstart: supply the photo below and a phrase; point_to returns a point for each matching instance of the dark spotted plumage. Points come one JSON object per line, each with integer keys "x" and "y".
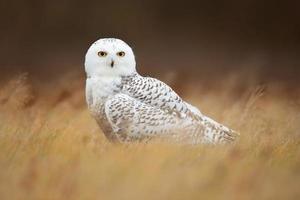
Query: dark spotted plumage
{"x": 141, "y": 107}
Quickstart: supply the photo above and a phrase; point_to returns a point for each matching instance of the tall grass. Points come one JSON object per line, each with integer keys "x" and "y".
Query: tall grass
{"x": 50, "y": 148}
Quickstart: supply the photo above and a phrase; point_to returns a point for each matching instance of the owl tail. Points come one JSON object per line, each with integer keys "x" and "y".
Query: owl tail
{"x": 216, "y": 133}
{"x": 230, "y": 136}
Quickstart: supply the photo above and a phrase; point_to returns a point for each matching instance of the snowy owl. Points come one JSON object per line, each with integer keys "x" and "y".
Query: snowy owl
{"x": 129, "y": 107}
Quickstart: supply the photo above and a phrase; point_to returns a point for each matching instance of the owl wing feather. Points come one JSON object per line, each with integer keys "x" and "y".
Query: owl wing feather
{"x": 156, "y": 93}
{"x": 132, "y": 119}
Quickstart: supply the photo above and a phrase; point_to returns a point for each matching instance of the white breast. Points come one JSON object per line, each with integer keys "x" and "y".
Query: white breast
{"x": 99, "y": 88}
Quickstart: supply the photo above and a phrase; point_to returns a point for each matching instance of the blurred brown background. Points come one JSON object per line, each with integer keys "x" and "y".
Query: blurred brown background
{"x": 203, "y": 40}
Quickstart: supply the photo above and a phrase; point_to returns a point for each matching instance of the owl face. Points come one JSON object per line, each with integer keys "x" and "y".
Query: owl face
{"x": 109, "y": 57}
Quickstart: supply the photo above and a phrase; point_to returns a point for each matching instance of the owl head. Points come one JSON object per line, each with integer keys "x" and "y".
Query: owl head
{"x": 109, "y": 57}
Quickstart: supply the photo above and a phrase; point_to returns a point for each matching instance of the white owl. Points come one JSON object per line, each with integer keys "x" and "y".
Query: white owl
{"x": 130, "y": 107}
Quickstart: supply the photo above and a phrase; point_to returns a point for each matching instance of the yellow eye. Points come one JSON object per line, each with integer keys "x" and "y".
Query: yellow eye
{"x": 121, "y": 53}
{"x": 102, "y": 53}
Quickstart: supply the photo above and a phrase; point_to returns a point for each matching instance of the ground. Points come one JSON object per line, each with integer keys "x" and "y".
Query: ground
{"x": 51, "y": 148}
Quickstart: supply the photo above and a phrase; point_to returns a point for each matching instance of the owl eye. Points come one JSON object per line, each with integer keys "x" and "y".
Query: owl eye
{"x": 102, "y": 53}
{"x": 121, "y": 53}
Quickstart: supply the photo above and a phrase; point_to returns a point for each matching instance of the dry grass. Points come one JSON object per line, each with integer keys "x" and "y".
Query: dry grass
{"x": 50, "y": 148}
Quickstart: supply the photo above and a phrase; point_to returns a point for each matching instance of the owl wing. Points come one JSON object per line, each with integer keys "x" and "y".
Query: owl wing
{"x": 134, "y": 120}
{"x": 158, "y": 94}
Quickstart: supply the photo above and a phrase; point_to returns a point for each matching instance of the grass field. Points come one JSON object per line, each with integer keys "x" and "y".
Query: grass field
{"x": 50, "y": 147}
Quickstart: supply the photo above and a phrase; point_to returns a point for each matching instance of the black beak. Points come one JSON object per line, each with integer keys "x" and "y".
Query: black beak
{"x": 112, "y": 63}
